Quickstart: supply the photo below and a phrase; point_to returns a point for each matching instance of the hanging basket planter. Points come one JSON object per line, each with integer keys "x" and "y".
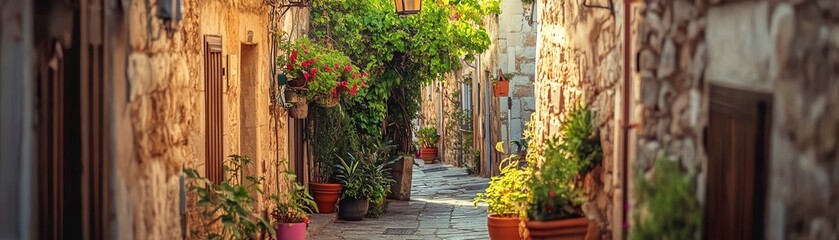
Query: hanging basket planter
{"x": 298, "y": 83}
{"x": 300, "y": 106}
{"x": 501, "y": 89}
{"x": 328, "y": 101}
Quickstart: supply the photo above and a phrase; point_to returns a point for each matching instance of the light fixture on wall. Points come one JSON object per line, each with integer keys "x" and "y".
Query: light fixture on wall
{"x": 408, "y": 7}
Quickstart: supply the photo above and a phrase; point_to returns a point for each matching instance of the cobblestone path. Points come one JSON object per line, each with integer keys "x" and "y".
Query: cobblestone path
{"x": 440, "y": 208}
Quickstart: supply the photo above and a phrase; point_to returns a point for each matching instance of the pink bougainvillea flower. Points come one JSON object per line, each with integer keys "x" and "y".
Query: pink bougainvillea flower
{"x": 311, "y": 62}
{"x": 335, "y": 91}
{"x": 347, "y": 68}
{"x": 306, "y": 75}
{"x": 293, "y": 54}
{"x": 313, "y": 70}
{"x": 354, "y": 89}
{"x": 289, "y": 67}
{"x": 327, "y": 69}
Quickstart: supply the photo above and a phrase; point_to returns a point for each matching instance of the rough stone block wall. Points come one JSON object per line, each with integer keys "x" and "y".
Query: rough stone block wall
{"x": 579, "y": 62}
{"x": 516, "y": 45}
{"x": 787, "y": 49}
{"x": 160, "y": 125}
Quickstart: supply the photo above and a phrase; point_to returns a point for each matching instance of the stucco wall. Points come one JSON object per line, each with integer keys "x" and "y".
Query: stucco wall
{"x": 787, "y": 49}
{"x": 159, "y": 127}
{"x": 580, "y": 62}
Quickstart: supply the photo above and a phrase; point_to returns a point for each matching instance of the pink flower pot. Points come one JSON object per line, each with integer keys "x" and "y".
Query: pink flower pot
{"x": 291, "y": 231}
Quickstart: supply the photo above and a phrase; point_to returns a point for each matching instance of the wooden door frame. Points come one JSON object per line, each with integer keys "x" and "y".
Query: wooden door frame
{"x": 739, "y": 103}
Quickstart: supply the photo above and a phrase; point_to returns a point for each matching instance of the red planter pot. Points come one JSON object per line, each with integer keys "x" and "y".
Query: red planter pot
{"x": 503, "y": 228}
{"x": 326, "y": 195}
{"x": 428, "y": 154}
{"x": 564, "y": 229}
{"x": 501, "y": 89}
{"x": 291, "y": 231}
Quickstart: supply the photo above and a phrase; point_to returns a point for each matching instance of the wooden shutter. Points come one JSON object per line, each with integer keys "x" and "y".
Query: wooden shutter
{"x": 213, "y": 108}
{"x": 50, "y": 129}
{"x": 737, "y": 143}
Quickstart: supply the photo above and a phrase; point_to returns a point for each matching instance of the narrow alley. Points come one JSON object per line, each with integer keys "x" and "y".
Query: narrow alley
{"x": 440, "y": 208}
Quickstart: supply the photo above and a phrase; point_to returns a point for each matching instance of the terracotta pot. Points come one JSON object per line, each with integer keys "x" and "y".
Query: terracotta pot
{"x": 428, "y": 154}
{"x": 501, "y": 89}
{"x": 352, "y": 209}
{"x": 563, "y": 229}
{"x": 502, "y": 227}
{"x": 326, "y": 195}
{"x": 291, "y": 231}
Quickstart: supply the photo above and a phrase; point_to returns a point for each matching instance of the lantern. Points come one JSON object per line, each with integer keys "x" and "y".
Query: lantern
{"x": 408, "y": 7}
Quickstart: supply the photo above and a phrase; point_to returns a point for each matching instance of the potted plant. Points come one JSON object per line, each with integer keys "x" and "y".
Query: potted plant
{"x": 359, "y": 187}
{"x": 505, "y": 196}
{"x": 330, "y": 132}
{"x": 229, "y": 203}
{"x": 428, "y": 138}
{"x": 291, "y": 216}
{"x": 555, "y": 206}
{"x": 502, "y": 84}
{"x": 320, "y": 74}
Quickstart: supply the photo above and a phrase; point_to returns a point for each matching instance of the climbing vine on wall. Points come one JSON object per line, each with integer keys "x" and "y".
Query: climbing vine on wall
{"x": 400, "y": 52}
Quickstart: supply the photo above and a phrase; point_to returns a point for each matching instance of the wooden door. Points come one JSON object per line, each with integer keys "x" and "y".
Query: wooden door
{"x": 213, "y": 108}
{"x": 737, "y": 142}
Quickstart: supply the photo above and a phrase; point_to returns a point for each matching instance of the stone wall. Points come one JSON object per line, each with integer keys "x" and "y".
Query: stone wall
{"x": 517, "y": 56}
{"x": 446, "y": 94}
{"x": 159, "y": 127}
{"x": 787, "y": 49}
{"x": 579, "y": 62}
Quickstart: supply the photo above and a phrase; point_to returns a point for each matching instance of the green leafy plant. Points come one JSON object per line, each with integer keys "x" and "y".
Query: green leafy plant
{"x": 230, "y": 202}
{"x": 296, "y": 205}
{"x": 556, "y": 183}
{"x": 507, "y": 192}
{"x": 428, "y": 137}
{"x": 352, "y": 173}
{"x": 378, "y": 160}
{"x": 326, "y": 72}
{"x": 667, "y": 207}
{"x": 331, "y": 132}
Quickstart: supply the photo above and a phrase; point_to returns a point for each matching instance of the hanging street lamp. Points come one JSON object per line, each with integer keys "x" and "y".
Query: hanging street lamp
{"x": 408, "y": 7}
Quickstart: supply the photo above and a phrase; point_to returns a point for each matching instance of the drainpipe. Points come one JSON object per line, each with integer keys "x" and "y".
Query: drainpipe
{"x": 625, "y": 124}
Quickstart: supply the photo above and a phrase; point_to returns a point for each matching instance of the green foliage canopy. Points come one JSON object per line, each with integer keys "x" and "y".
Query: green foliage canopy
{"x": 400, "y": 52}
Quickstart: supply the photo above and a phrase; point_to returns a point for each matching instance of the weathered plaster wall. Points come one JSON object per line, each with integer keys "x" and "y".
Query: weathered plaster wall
{"x": 580, "y": 62}
{"x": 160, "y": 125}
{"x": 784, "y": 48}
{"x": 516, "y": 43}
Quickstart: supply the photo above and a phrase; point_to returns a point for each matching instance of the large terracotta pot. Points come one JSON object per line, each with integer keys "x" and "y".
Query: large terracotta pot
{"x": 503, "y": 227}
{"x": 428, "y": 154}
{"x": 564, "y": 229}
{"x": 291, "y": 231}
{"x": 352, "y": 209}
{"x": 325, "y": 195}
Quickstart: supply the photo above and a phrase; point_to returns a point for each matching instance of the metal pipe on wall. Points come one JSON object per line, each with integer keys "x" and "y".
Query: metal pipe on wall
{"x": 487, "y": 124}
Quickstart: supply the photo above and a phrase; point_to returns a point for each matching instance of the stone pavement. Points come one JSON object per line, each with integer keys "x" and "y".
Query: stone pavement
{"x": 440, "y": 208}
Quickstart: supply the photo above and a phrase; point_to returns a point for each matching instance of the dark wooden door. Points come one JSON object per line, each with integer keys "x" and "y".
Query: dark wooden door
{"x": 213, "y": 108}
{"x": 737, "y": 142}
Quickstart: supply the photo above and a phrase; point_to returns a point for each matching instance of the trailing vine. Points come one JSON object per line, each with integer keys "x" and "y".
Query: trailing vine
{"x": 400, "y": 53}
